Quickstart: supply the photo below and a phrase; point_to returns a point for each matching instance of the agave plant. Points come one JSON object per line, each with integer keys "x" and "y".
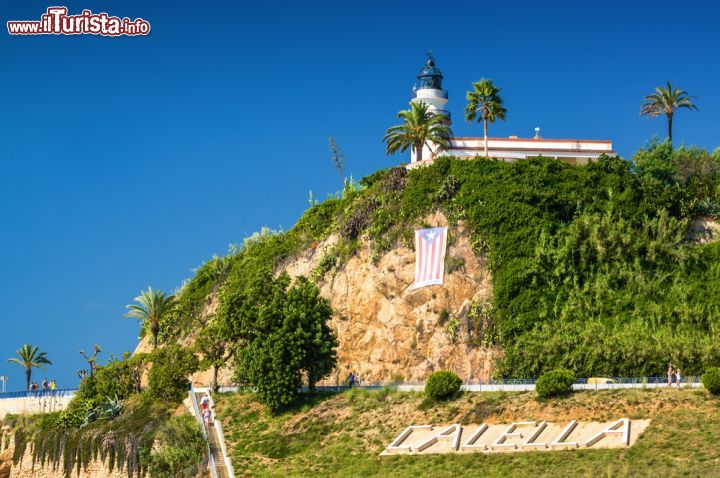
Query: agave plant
{"x": 108, "y": 409}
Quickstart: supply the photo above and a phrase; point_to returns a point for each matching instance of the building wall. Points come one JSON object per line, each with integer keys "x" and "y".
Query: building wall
{"x": 511, "y": 149}
{"x": 31, "y": 405}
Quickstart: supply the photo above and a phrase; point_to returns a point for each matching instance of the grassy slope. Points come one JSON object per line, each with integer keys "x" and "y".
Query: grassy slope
{"x": 342, "y": 435}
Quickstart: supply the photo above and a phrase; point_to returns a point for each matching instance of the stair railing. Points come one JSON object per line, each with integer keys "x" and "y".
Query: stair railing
{"x": 196, "y": 407}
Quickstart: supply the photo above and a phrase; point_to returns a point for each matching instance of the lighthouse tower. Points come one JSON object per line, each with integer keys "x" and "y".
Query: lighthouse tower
{"x": 429, "y": 90}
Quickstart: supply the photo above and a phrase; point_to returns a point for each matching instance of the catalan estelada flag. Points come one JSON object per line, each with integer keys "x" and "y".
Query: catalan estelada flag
{"x": 430, "y": 247}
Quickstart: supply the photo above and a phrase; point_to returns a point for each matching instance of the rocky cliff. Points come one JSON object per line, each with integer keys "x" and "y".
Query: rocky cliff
{"x": 389, "y": 330}
{"x": 386, "y": 329}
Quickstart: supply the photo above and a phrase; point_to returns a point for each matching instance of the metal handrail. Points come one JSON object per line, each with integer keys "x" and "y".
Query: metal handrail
{"x": 520, "y": 383}
{"x": 65, "y": 392}
{"x": 196, "y": 407}
{"x": 221, "y": 436}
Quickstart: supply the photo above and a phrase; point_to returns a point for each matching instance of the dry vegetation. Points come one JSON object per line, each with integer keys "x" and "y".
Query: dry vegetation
{"x": 342, "y": 435}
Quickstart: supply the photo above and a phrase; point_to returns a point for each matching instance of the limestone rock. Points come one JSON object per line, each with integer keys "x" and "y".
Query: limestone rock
{"x": 388, "y": 330}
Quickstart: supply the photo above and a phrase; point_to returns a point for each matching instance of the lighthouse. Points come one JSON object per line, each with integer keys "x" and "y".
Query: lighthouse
{"x": 428, "y": 89}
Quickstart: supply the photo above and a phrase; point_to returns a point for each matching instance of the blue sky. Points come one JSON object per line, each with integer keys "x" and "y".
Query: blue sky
{"x": 126, "y": 162}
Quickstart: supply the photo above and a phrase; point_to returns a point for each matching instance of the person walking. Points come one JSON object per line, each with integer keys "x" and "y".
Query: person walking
{"x": 670, "y": 375}
{"x": 678, "y": 377}
{"x": 53, "y": 385}
{"x": 206, "y": 417}
{"x": 351, "y": 380}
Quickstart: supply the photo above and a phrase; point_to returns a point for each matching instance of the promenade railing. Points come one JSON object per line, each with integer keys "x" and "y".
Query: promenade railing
{"x": 59, "y": 393}
{"x": 506, "y": 385}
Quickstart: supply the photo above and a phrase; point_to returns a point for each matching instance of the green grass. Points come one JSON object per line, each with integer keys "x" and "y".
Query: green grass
{"x": 343, "y": 435}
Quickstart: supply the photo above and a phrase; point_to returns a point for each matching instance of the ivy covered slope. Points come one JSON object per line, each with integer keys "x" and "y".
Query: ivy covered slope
{"x": 114, "y": 426}
{"x": 593, "y": 268}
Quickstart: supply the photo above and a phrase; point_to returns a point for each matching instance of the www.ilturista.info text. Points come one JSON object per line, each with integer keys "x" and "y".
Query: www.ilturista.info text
{"x": 56, "y": 21}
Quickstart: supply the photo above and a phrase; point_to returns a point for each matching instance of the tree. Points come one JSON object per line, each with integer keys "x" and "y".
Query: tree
{"x": 337, "y": 158}
{"x": 171, "y": 367}
{"x": 216, "y": 349}
{"x": 152, "y": 308}
{"x": 484, "y": 104}
{"x": 116, "y": 379}
{"x": 656, "y": 160}
{"x": 420, "y": 128}
{"x": 91, "y": 359}
{"x": 665, "y": 101}
{"x": 29, "y": 356}
{"x": 282, "y": 335}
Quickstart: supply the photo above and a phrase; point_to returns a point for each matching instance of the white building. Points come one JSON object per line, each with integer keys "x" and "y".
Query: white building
{"x": 576, "y": 151}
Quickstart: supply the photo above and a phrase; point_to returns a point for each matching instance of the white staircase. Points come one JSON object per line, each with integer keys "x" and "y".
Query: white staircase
{"x": 220, "y": 465}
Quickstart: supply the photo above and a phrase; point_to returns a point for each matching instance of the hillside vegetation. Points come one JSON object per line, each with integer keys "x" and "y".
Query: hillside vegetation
{"x": 342, "y": 435}
{"x": 592, "y": 267}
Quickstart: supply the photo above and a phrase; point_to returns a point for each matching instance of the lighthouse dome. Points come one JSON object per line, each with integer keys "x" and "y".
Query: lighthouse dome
{"x": 430, "y": 75}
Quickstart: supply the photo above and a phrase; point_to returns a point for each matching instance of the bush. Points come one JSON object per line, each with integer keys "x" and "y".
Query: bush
{"x": 359, "y": 219}
{"x": 711, "y": 380}
{"x": 285, "y": 336}
{"x": 179, "y": 445}
{"x": 555, "y": 383}
{"x": 171, "y": 367}
{"x": 117, "y": 378}
{"x": 442, "y": 385}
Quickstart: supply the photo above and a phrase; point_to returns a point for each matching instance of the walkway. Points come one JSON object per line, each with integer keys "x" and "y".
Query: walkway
{"x": 220, "y": 464}
{"x": 509, "y": 385}
{"x": 35, "y": 402}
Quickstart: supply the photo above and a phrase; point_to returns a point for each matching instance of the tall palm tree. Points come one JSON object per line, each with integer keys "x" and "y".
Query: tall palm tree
{"x": 485, "y": 104}
{"x": 152, "y": 307}
{"x": 665, "y": 101}
{"x": 420, "y": 128}
{"x": 29, "y": 356}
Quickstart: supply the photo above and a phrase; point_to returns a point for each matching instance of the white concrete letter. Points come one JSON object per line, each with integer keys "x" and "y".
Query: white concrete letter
{"x": 564, "y": 434}
{"x": 511, "y": 433}
{"x": 452, "y": 432}
{"x": 397, "y": 444}
{"x": 470, "y": 444}
{"x": 620, "y": 427}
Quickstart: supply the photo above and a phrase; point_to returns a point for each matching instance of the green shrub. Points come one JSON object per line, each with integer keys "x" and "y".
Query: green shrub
{"x": 454, "y": 264}
{"x": 171, "y": 367}
{"x": 285, "y": 336}
{"x": 442, "y": 385}
{"x": 117, "y": 378}
{"x": 711, "y": 380}
{"x": 179, "y": 445}
{"x": 556, "y": 383}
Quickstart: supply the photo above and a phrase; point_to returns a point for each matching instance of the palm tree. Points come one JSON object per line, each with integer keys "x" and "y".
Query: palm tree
{"x": 665, "y": 101}
{"x": 29, "y": 356}
{"x": 152, "y": 307}
{"x": 420, "y": 128}
{"x": 485, "y": 104}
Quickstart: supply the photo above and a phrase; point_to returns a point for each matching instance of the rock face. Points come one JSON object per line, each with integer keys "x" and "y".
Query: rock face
{"x": 704, "y": 230}
{"x": 6, "y": 458}
{"x": 26, "y": 468}
{"x": 386, "y": 329}
{"x": 95, "y": 469}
